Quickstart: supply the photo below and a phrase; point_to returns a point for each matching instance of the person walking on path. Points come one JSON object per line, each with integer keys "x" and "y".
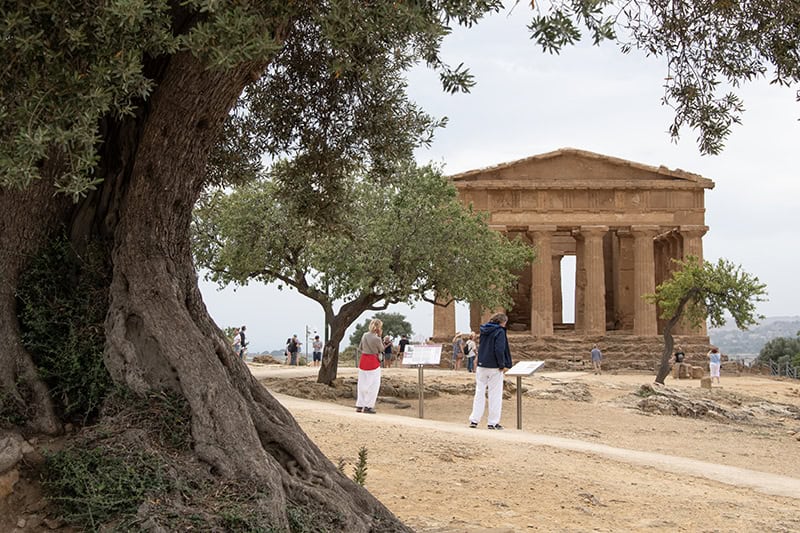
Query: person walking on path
{"x": 293, "y": 347}
{"x": 316, "y": 350}
{"x": 494, "y": 358}
{"x": 458, "y": 351}
{"x": 242, "y": 338}
{"x": 714, "y": 363}
{"x": 597, "y": 359}
{"x": 471, "y": 352}
{"x": 388, "y": 352}
{"x": 237, "y": 341}
{"x": 369, "y": 367}
{"x": 401, "y": 348}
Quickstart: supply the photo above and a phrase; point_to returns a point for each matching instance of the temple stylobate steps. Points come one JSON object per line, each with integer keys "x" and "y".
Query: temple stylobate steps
{"x": 569, "y": 351}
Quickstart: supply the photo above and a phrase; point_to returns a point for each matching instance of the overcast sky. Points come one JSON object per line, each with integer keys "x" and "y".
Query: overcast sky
{"x": 596, "y": 99}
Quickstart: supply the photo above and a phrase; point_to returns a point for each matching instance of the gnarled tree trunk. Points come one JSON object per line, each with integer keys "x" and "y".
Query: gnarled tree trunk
{"x": 669, "y": 341}
{"x": 330, "y": 357}
{"x": 27, "y": 219}
{"x": 337, "y": 325}
{"x": 158, "y": 332}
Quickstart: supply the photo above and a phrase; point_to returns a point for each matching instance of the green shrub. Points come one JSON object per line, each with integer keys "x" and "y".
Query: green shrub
{"x": 11, "y": 412}
{"x": 313, "y": 518}
{"x": 63, "y": 300}
{"x": 93, "y": 485}
{"x": 360, "y": 470}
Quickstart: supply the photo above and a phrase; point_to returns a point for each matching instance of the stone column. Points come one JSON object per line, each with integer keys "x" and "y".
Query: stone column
{"x": 558, "y": 297}
{"x": 595, "y": 304}
{"x": 672, "y": 247}
{"x": 542, "y": 282}
{"x": 693, "y": 245}
{"x": 475, "y": 315}
{"x": 444, "y": 319}
{"x": 625, "y": 309}
{"x": 676, "y": 250}
{"x": 580, "y": 281}
{"x": 644, "y": 280}
{"x": 693, "y": 240}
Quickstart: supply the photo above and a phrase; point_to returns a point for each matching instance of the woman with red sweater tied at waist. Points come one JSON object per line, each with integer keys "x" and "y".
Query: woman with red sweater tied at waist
{"x": 369, "y": 367}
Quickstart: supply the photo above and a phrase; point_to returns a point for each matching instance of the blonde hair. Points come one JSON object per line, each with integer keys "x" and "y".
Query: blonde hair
{"x": 376, "y": 326}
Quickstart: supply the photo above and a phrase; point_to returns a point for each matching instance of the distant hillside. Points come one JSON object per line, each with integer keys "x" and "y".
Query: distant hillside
{"x": 733, "y": 341}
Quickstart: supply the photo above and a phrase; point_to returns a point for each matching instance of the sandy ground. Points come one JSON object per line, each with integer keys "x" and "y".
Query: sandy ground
{"x": 594, "y": 465}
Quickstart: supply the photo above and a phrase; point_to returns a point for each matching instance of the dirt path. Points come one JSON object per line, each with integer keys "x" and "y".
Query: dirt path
{"x": 593, "y": 465}
{"x": 740, "y": 477}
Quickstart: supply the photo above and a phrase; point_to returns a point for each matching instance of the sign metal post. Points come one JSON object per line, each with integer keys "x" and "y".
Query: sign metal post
{"x": 419, "y": 356}
{"x": 421, "y": 389}
{"x": 523, "y": 368}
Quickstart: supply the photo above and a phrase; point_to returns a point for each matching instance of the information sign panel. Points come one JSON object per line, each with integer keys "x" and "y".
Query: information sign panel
{"x": 422, "y": 354}
{"x": 524, "y": 368}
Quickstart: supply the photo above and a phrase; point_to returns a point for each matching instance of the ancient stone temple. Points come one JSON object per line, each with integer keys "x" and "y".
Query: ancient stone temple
{"x": 622, "y": 221}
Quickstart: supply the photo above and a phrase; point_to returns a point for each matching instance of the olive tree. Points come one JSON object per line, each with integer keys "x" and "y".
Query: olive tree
{"x": 401, "y": 243}
{"x": 703, "y": 290}
{"x": 115, "y": 116}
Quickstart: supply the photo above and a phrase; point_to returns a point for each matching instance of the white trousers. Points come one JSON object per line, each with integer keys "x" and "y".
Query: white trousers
{"x": 492, "y": 379}
{"x": 369, "y": 383}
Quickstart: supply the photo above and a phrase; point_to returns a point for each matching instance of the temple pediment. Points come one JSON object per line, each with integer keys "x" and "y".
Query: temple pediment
{"x": 572, "y": 168}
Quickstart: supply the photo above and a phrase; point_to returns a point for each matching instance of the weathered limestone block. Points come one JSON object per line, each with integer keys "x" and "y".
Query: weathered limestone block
{"x": 698, "y": 372}
{"x": 10, "y": 451}
{"x": 682, "y": 371}
{"x": 705, "y": 382}
{"x": 7, "y": 482}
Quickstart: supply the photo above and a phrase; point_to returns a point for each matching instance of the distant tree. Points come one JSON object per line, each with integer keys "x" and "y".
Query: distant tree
{"x": 710, "y": 49}
{"x": 394, "y": 325}
{"x": 391, "y": 244}
{"x": 699, "y": 291}
{"x": 781, "y": 348}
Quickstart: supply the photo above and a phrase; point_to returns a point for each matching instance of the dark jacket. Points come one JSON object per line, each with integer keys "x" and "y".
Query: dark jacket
{"x": 493, "y": 351}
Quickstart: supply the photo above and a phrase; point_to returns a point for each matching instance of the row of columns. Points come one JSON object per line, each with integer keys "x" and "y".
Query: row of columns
{"x": 590, "y": 283}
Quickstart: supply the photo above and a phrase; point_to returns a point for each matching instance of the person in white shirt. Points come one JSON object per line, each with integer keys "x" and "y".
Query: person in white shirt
{"x": 316, "y": 348}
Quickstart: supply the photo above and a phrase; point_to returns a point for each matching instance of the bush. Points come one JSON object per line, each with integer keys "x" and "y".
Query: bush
{"x": 93, "y": 485}
{"x": 12, "y": 413}
{"x": 780, "y": 347}
{"x": 63, "y": 300}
